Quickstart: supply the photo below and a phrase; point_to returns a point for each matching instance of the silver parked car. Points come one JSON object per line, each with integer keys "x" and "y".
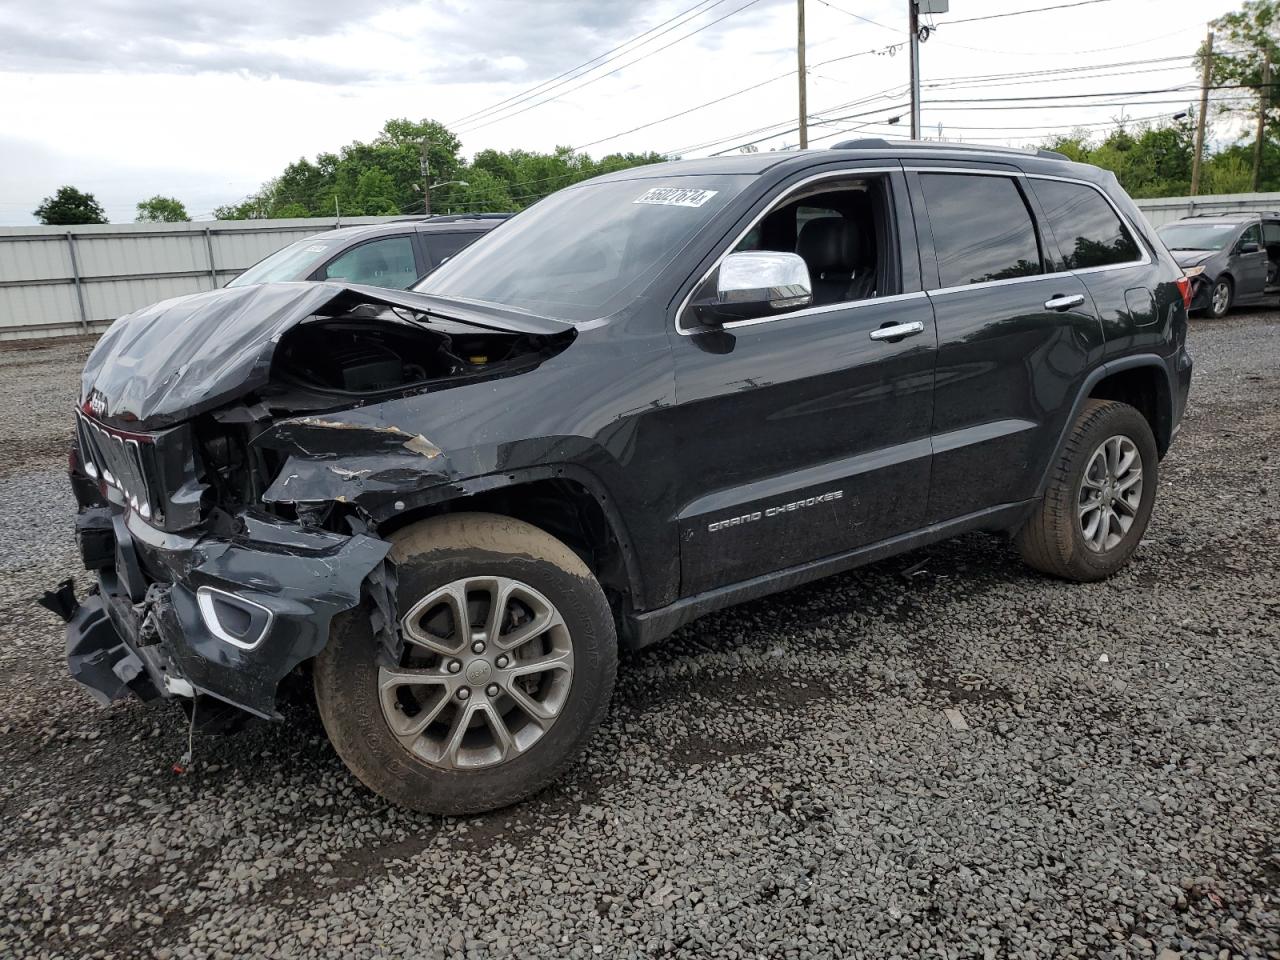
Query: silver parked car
{"x": 1230, "y": 258}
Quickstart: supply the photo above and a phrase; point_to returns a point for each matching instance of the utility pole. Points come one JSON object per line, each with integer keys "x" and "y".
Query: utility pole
{"x": 1200, "y": 118}
{"x": 424, "y": 167}
{"x": 804, "y": 96}
{"x": 1264, "y": 96}
{"x": 913, "y": 13}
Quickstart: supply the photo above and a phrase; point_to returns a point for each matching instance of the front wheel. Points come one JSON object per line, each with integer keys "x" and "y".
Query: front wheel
{"x": 508, "y": 662}
{"x": 1099, "y": 497}
{"x": 1221, "y": 298}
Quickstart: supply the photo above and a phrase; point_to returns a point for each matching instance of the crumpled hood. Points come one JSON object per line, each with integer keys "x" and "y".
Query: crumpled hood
{"x": 1191, "y": 258}
{"x": 175, "y": 359}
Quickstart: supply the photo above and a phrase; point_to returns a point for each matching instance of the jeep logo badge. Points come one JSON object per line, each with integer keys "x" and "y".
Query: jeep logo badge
{"x": 477, "y": 672}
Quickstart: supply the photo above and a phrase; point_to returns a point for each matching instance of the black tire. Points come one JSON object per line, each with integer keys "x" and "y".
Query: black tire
{"x": 1052, "y": 540}
{"x": 1220, "y": 308}
{"x": 429, "y": 555}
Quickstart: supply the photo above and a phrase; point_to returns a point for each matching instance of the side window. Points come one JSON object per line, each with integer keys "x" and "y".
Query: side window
{"x": 442, "y": 246}
{"x": 1252, "y": 234}
{"x": 841, "y": 231}
{"x": 982, "y": 229}
{"x": 1271, "y": 232}
{"x": 1086, "y": 227}
{"x": 379, "y": 263}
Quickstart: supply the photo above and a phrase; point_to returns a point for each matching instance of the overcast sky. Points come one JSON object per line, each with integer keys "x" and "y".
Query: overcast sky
{"x": 204, "y": 101}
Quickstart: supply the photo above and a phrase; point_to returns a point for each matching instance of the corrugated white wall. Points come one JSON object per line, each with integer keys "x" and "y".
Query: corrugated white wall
{"x": 1167, "y": 209}
{"x": 121, "y": 267}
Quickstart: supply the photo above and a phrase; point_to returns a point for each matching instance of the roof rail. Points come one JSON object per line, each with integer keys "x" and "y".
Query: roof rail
{"x": 879, "y": 143}
{"x": 451, "y": 217}
{"x": 1228, "y": 214}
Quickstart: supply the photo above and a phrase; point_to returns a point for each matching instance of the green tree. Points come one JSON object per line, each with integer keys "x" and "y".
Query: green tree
{"x": 69, "y": 207}
{"x": 288, "y": 211}
{"x": 1152, "y": 161}
{"x": 384, "y": 176}
{"x": 1243, "y": 41}
{"x": 162, "y": 210}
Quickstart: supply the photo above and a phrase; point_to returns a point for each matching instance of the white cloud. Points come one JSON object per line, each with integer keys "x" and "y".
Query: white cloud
{"x": 205, "y": 101}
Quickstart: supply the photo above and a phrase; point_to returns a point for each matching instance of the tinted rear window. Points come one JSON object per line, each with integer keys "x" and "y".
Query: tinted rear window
{"x": 982, "y": 229}
{"x": 1086, "y": 227}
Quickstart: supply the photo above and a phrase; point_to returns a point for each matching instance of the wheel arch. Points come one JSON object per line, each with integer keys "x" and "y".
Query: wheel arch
{"x": 1145, "y": 387}
{"x": 568, "y": 503}
{"x": 1146, "y": 371}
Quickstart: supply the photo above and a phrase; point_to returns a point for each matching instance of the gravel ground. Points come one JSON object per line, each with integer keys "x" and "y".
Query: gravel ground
{"x": 780, "y": 780}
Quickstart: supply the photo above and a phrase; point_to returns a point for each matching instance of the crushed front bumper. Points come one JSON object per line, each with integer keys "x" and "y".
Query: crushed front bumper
{"x": 227, "y": 616}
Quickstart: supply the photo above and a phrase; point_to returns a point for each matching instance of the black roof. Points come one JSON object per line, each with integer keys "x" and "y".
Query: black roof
{"x": 442, "y": 224}
{"x": 1031, "y": 161}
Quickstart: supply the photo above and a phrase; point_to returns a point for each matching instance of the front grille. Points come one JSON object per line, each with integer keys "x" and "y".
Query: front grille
{"x": 125, "y": 461}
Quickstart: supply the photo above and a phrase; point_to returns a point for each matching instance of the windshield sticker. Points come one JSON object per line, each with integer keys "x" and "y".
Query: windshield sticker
{"x": 675, "y": 196}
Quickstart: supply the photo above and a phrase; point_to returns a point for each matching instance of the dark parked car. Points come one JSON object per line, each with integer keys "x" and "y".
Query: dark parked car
{"x": 647, "y": 397}
{"x": 395, "y": 254}
{"x": 1233, "y": 258}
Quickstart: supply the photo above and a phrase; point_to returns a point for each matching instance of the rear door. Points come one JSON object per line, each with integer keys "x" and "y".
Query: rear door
{"x": 1095, "y": 243}
{"x": 441, "y": 246}
{"x": 806, "y": 434}
{"x": 1014, "y": 339}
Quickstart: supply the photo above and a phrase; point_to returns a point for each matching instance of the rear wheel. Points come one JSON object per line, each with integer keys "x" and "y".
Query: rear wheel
{"x": 1221, "y": 297}
{"x": 1099, "y": 498}
{"x": 507, "y": 668}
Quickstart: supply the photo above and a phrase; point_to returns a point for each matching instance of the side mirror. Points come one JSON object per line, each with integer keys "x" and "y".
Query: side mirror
{"x": 756, "y": 283}
{"x": 1249, "y": 247}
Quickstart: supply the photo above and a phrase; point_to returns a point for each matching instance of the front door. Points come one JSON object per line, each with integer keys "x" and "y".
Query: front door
{"x": 806, "y": 435}
{"x": 1014, "y": 340}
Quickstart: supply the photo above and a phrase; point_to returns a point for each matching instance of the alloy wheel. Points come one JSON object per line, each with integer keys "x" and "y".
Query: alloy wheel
{"x": 1110, "y": 492}
{"x": 486, "y": 671}
{"x": 1221, "y": 298}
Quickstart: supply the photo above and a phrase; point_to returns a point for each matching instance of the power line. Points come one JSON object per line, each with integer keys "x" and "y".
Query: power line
{"x": 728, "y": 96}
{"x": 709, "y": 103}
{"x": 531, "y": 91}
{"x": 1019, "y": 13}
{"x": 507, "y": 116}
{"x": 1069, "y": 53}
{"x": 858, "y": 16}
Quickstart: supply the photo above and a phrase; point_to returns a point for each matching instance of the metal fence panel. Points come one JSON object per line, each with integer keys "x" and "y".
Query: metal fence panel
{"x": 60, "y": 280}
{"x": 1162, "y": 210}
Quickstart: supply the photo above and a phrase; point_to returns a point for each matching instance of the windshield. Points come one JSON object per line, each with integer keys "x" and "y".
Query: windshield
{"x": 588, "y": 250}
{"x": 1197, "y": 236}
{"x": 293, "y": 262}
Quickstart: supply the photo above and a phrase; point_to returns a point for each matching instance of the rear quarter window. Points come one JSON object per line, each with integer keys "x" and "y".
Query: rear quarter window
{"x": 1088, "y": 231}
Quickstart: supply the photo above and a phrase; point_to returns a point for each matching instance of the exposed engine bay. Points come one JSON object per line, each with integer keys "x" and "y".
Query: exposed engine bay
{"x": 382, "y": 354}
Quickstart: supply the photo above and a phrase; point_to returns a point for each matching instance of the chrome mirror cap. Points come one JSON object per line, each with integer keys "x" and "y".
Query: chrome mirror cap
{"x": 770, "y": 280}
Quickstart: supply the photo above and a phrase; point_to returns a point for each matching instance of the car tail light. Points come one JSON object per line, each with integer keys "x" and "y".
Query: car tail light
{"x": 1184, "y": 288}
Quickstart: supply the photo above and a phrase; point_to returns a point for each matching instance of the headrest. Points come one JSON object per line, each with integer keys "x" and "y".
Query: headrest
{"x": 829, "y": 245}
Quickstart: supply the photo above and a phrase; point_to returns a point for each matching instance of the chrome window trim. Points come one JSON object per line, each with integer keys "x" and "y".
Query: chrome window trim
{"x": 825, "y": 175}
{"x": 812, "y": 311}
{"x": 1137, "y": 237}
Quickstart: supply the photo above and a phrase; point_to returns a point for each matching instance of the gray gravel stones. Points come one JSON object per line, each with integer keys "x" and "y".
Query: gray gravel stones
{"x": 780, "y": 780}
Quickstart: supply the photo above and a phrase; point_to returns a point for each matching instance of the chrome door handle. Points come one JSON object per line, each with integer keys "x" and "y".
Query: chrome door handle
{"x": 1064, "y": 303}
{"x": 898, "y": 330}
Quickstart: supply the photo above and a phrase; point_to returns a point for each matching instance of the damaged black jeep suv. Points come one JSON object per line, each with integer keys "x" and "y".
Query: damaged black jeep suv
{"x": 649, "y": 396}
